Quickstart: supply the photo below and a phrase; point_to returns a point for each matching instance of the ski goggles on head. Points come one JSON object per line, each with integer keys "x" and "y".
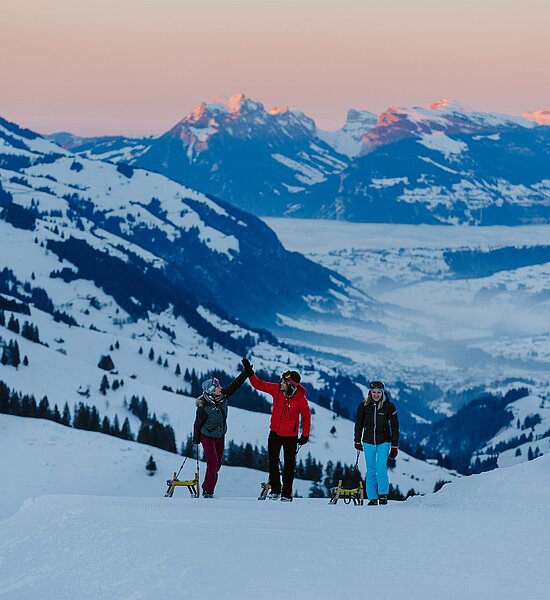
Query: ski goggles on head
{"x": 376, "y": 385}
{"x": 214, "y": 383}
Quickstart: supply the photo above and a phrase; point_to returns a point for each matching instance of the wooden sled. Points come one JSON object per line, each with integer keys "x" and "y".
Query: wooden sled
{"x": 348, "y": 495}
{"x": 191, "y": 484}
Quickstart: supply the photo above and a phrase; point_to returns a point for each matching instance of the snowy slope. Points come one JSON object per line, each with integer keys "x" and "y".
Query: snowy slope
{"x": 531, "y": 419}
{"x": 482, "y": 536}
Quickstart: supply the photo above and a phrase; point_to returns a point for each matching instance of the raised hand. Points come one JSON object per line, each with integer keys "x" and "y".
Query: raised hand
{"x": 248, "y": 369}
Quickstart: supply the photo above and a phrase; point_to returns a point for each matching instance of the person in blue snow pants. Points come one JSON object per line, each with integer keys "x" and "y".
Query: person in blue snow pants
{"x": 377, "y": 434}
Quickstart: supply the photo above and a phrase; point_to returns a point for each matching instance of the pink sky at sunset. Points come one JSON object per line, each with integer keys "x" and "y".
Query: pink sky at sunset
{"x": 138, "y": 66}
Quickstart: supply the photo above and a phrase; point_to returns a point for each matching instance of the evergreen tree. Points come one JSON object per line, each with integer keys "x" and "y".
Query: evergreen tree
{"x": 28, "y": 406}
{"x": 44, "y": 409}
{"x": 178, "y": 369}
{"x": 116, "y": 427}
{"x": 115, "y": 385}
{"x": 56, "y": 416}
{"x": 66, "y": 416}
{"x": 126, "y": 432}
{"x": 106, "y": 363}
{"x": 165, "y": 363}
{"x": 159, "y": 360}
{"x": 151, "y": 354}
{"x": 332, "y": 432}
{"x": 30, "y": 332}
{"x": 2, "y": 319}
{"x": 316, "y": 490}
{"x": 13, "y": 324}
{"x": 26, "y": 361}
{"x": 4, "y": 398}
{"x": 151, "y": 466}
{"x": 106, "y": 426}
{"x": 140, "y": 350}
{"x": 13, "y": 352}
{"x": 104, "y": 386}
{"x": 117, "y": 345}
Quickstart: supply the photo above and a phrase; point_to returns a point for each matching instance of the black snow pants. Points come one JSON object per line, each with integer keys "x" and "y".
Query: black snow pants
{"x": 289, "y": 444}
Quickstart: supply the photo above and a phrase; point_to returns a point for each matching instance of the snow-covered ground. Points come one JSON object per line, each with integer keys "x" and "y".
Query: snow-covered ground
{"x": 483, "y": 536}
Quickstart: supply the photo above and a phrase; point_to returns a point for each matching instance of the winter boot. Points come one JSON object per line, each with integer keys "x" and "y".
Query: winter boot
{"x": 207, "y": 495}
{"x": 383, "y": 500}
{"x": 286, "y": 499}
{"x": 274, "y": 496}
{"x": 373, "y": 502}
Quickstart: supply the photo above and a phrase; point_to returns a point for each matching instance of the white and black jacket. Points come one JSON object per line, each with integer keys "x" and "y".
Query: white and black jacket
{"x": 377, "y": 422}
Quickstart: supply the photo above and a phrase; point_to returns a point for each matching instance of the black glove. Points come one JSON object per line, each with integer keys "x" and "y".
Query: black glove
{"x": 247, "y": 367}
{"x": 358, "y": 446}
{"x": 196, "y": 442}
{"x": 304, "y": 439}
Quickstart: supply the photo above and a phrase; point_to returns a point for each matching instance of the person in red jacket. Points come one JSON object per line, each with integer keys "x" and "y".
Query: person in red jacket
{"x": 289, "y": 405}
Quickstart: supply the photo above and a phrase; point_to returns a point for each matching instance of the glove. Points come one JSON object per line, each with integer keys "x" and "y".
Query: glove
{"x": 304, "y": 439}
{"x": 393, "y": 452}
{"x": 247, "y": 367}
{"x": 358, "y": 446}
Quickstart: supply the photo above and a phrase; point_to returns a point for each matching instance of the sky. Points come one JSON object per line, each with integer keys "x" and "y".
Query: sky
{"x": 136, "y": 67}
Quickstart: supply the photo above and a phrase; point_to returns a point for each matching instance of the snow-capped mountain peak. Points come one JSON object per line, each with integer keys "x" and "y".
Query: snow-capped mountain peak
{"x": 348, "y": 139}
{"x": 540, "y": 117}
{"x": 450, "y": 105}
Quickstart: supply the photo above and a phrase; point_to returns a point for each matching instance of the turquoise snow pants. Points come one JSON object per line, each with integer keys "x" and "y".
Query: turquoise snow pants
{"x": 376, "y": 457}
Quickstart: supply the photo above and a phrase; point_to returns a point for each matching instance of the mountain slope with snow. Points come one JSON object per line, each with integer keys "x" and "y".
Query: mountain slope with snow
{"x": 444, "y": 163}
{"x": 255, "y": 158}
{"x": 481, "y": 536}
{"x": 81, "y": 206}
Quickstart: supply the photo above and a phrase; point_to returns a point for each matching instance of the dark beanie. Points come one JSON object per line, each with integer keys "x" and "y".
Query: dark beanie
{"x": 295, "y": 376}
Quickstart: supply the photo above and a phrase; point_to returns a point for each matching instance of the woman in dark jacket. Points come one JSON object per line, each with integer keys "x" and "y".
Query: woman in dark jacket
{"x": 211, "y": 426}
{"x": 377, "y": 433}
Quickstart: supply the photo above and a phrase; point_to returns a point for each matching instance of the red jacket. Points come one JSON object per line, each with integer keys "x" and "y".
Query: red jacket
{"x": 286, "y": 411}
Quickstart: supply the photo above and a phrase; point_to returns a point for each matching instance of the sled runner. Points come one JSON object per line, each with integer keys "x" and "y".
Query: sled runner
{"x": 348, "y": 495}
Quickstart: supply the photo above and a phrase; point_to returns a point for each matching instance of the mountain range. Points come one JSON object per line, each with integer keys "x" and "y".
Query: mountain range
{"x": 445, "y": 163}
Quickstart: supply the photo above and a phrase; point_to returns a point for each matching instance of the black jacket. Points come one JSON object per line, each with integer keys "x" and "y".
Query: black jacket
{"x": 211, "y": 416}
{"x": 377, "y": 422}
